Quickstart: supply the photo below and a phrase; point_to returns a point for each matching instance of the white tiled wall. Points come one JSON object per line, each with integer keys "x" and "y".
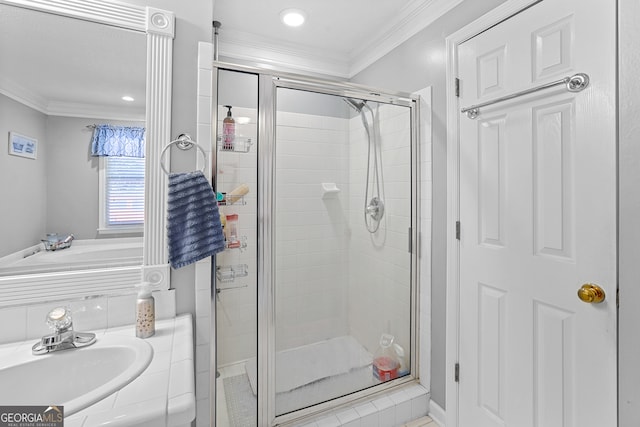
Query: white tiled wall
{"x": 311, "y": 231}
{"x": 89, "y": 314}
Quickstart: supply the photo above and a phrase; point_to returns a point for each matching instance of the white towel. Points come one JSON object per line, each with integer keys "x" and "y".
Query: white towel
{"x": 299, "y": 366}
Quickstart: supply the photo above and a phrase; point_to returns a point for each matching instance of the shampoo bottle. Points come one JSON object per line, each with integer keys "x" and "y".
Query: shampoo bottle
{"x": 145, "y": 314}
{"x": 228, "y": 130}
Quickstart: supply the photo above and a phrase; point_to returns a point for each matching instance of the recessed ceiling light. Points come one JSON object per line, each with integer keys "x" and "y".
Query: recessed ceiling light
{"x": 292, "y": 17}
{"x": 128, "y": 98}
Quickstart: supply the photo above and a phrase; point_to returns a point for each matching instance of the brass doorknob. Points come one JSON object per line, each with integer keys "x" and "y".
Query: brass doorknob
{"x": 591, "y": 293}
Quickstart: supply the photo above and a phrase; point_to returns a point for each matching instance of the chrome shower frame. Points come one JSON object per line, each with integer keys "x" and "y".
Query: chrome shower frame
{"x": 268, "y": 83}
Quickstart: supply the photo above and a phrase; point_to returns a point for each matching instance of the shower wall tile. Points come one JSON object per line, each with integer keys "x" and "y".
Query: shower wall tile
{"x": 205, "y": 56}
{"x": 204, "y": 82}
{"x": 203, "y": 358}
{"x": 203, "y": 108}
{"x": 203, "y": 413}
{"x": 311, "y": 238}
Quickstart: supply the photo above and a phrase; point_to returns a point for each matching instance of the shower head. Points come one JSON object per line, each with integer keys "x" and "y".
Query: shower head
{"x": 356, "y": 104}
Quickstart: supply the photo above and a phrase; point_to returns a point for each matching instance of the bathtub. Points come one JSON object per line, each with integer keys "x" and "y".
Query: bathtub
{"x": 83, "y": 254}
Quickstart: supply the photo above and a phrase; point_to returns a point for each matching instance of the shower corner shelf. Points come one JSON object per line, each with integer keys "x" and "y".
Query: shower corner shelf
{"x": 230, "y": 287}
{"x": 241, "y": 144}
{"x": 237, "y": 200}
{"x": 241, "y": 244}
{"x": 229, "y": 273}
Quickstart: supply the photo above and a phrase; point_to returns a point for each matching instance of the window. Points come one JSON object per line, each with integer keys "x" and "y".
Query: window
{"x": 121, "y": 195}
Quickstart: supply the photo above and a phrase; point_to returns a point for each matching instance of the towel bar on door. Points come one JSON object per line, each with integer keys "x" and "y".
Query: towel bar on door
{"x": 575, "y": 83}
{"x": 183, "y": 142}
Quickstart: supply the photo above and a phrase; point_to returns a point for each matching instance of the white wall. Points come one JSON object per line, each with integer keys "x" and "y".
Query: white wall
{"x": 23, "y": 197}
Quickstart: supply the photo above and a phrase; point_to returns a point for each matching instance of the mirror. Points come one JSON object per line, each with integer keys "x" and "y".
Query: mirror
{"x": 57, "y": 105}
{"x": 64, "y": 69}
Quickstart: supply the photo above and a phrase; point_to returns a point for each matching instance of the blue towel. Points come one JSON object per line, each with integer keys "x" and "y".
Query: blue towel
{"x": 194, "y": 230}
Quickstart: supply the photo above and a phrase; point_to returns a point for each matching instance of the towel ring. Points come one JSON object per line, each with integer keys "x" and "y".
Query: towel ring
{"x": 184, "y": 142}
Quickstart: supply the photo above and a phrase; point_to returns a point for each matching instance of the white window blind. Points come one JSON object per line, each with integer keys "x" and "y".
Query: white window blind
{"x": 124, "y": 192}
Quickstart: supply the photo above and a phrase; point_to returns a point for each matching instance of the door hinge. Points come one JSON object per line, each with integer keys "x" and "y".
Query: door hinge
{"x": 457, "y": 230}
{"x": 457, "y": 373}
{"x": 457, "y": 87}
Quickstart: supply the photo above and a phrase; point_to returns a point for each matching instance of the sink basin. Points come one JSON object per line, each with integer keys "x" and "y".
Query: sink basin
{"x": 73, "y": 378}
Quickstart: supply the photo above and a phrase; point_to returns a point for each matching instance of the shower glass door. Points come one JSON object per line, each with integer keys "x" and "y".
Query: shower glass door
{"x": 236, "y": 268}
{"x": 342, "y": 261}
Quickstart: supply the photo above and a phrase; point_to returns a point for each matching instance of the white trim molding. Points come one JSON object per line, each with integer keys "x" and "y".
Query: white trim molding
{"x": 108, "y": 12}
{"x": 416, "y": 16}
{"x": 159, "y": 26}
{"x": 437, "y": 414}
{"x": 497, "y": 15}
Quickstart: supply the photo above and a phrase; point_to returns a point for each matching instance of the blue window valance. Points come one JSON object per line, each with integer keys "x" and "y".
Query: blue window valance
{"x": 121, "y": 141}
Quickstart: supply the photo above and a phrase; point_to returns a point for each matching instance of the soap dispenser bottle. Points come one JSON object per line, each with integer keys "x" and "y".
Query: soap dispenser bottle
{"x": 228, "y": 130}
{"x": 145, "y": 313}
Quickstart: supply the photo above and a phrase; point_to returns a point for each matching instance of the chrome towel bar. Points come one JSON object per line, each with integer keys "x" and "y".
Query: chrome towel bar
{"x": 574, "y": 83}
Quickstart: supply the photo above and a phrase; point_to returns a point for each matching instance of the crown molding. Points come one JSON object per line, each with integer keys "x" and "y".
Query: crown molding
{"x": 416, "y": 16}
{"x": 92, "y": 111}
{"x": 68, "y": 109}
{"x": 22, "y": 95}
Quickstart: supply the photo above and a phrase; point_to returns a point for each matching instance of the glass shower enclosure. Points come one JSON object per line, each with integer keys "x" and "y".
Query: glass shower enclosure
{"x": 316, "y": 293}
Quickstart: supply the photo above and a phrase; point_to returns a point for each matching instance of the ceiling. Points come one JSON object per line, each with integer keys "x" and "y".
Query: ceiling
{"x": 69, "y": 67}
{"x": 339, "y": 38}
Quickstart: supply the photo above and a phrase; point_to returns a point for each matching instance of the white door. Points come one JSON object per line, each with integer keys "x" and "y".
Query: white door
{"x": 538, "y": 220}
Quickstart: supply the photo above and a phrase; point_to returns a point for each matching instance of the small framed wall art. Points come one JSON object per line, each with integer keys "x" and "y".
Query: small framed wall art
{"x": 23, "y": 146}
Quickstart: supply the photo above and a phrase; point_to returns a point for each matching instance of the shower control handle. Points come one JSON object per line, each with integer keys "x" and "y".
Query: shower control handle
{"x": 375, "y": 208}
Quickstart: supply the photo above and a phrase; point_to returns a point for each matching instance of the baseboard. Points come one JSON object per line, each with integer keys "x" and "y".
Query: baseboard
{"x": 436, "y": 413}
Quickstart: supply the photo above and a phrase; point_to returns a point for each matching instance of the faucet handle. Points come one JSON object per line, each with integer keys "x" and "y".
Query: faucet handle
{"x": 59, "y": 319}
